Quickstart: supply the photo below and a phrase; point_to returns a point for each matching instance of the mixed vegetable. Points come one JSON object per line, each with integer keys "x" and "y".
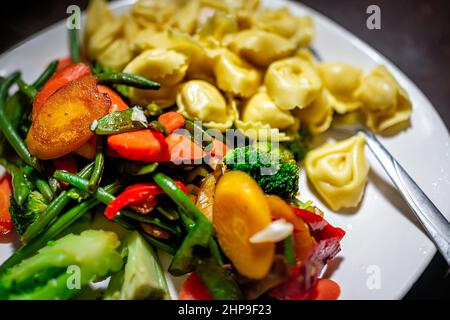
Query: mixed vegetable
{"x": 73, "y": 147}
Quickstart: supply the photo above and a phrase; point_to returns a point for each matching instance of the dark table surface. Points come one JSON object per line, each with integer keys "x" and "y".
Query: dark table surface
{"x": 414, "y": 35}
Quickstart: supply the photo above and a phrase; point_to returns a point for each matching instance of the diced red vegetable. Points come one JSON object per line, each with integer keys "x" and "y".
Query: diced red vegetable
{"x": 304, "y": 276}
{"x": 57, "y": 81}
{"x": 135, "y": 194}
{"x": 325, "y": 289}
{"x": 172, "y": 121}
{"x": 6, "y": 224}
{"x": 66, "y": 163}
{"x": 194, "y": 289}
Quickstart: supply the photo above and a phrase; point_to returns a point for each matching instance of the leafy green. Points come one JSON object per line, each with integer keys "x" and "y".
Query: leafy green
{"x": 34, "y": 206}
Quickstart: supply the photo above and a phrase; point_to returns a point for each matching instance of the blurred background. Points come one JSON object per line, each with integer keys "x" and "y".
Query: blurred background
{"x": 414, "y": 35}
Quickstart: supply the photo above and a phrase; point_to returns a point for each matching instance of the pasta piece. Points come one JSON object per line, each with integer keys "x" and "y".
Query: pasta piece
{"x": 279, "y": 21}
{"x": 341, "y": 80}
{"x": 260, "y": 47}
{"x": 339, "y": 172}
{"x": 217, "y": 27}
{"x": 261, "y": 109}
{"x": 185, "y": 17}
{"x": 103, "y": 37}
{"x": 153, "y": 12}
{"x": 167, "y": 67}
{"x": 292, "y": 82}
{"x": 319, "y": 115}
{"x": 384, "y": 102}
{"x": 97, "y": 15}
{"x": 200, "y": 100}
{"x": 236, "y": 76}
{"x": 116, "y": 55}
{"x": 164, "y": 97}
{"x": 305, "y": 31}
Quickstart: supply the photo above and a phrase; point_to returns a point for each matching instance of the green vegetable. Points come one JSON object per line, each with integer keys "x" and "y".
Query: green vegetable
{"x": 99, "y": 166}
{"x": 133, "y": 168}
{"x": 106, "y": 197}
{"x": 54, "y": 209}
{"x": 157, "y": 126}
{"x": 199, "y": 235}
{"x": 153, "y": 110}
{"x": 289, "y": 253}
{"x": 142, "y": 276}
{"x": 198, "y": 134}
{"x": 119, "y": 121}
{"x": 55, "y": 229}
{"x": 299, "y": 145}
{"x": 74, "y": 46}
{"x": 217, "y": 280}
{"x": 26, "y": 89}
{"x": 152, "y": 219}
{"x": 22, "y": 218}
{"x": 40, "y": 183}
{"x": 128, "y": 79}
{"x": 274, "y": 170}
{"x": 7, "y": 127}
{"x": 21, "y": 185}
{"x": 43, "y": 78}
{"x": 59, "y": 270}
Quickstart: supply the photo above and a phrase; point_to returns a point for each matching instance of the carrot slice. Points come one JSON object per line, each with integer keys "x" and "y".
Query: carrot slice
{"x": 172, "y": 121}
{"x": 63, "y": 62}
{"x": 117, "y": 103}
{"x": 183, "y": 150}
{"x": 6, "y": 224}
{"x": 57, "y": 81}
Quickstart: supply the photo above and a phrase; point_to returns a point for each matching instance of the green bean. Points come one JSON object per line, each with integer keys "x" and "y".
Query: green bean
{"x": 43, "y": 78}
{"x": 106, "y": 197}
{"x": 7, "y": 128}
{"x": 40, "y": 183}
{"x": 128, "y": 79}
{"x": 118, "y": 122}
{"x": 26, "y": 89}
{"x": 53, "y": 210}
{"x": 99, "y": 166}
{"x": 133, "y": 168}
{"x": 74, "y": 46}
{"x": 198, "y": 134}
{"x": 55, "y": 229}
{"x": 153, "y": 110}
{"x": 158, "y": 126}
{"x": 169, "y": 213}
{"x": 217, "y": 280}
{"x": 21, "y": 185}
{"x": 17, "y": 107}
{"x": 289, "y": 253}
{"x": 151, "y": 219}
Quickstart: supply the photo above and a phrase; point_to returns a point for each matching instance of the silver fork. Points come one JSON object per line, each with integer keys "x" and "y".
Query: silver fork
{"x": 432, "y": 220}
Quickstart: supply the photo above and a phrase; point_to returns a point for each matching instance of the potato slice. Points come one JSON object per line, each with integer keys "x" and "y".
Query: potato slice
{"x": 62, "y": 125}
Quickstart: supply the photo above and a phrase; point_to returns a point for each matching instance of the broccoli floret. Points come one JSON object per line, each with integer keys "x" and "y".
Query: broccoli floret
{"x": 142, "y": 277}
{"x": 274, "y": 170}
{"x": 299, "y": 145}
{"x": 23, "y": 217}
{"x": 63, "y": 267}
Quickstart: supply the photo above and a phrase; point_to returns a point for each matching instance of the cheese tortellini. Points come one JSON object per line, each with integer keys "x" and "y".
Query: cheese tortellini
{"x": 339, "y": 172}
{"x": 384, "y": 102}
{"x": 318, "y": 115}
{"x": 260, "y": 47}
{"x": 200, "y": 100}
{"x": 292, "y": 83}
{"x": 235, "y": 75}
{"x": 341, "y": 80}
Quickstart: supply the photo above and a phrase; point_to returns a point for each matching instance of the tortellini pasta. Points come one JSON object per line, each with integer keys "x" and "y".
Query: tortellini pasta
{"x": 185, "y": 16}
{"x": 260, "y": 47}
{"x": 280, "y": 21}
{"x": 341, "y": 80}
{"x": 236, "y": 76}
{"x": 292, "y": 82}
{"x": 261, "y": 109}
{"x": 217, "y": 27}
{"x": 200, "y": 100}
{"x": 167, "y": 67}
{"x": 384, "y": 102}
{"x": 318, "y": 115}
{"x": 339, "y": 172}
{"x": 164, "y": 97}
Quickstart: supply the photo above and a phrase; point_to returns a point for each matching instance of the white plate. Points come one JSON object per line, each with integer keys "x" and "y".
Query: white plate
{"x": 384, "y": 251}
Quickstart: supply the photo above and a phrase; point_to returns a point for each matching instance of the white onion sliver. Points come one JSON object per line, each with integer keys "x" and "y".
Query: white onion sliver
{"x": 138, "y": 115}
{"x": 2, "y": 172}
{"x": 277, "y": 231}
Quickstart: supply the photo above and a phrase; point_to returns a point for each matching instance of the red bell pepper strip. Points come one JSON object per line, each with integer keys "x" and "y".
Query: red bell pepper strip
{"x": 63, "y": 62}
{"x": 57, "y": 81}
{"x": 135, "y": 193}
{"x": 6, "y": 224}
{"x": 194, "y": 289}
{"x": 304, "y": 276}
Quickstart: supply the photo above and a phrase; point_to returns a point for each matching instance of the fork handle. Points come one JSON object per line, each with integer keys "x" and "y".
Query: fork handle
{"x": 432, "y": 220}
